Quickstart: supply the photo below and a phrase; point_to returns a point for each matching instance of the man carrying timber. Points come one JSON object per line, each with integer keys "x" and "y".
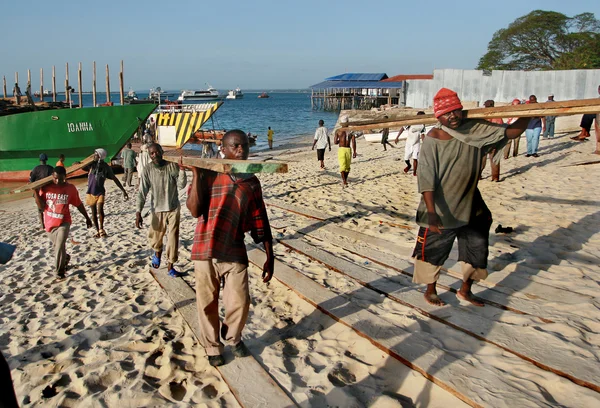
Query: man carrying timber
{"x": 226, "y": 206}
{"x": 346, "y": 142}
{"x": 451, "y": 205}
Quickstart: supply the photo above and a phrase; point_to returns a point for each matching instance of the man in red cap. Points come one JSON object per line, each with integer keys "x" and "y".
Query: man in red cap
{"x": 451, "y": 205}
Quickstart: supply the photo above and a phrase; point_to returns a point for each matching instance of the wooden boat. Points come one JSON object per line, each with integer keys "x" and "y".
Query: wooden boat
{"x": 264, "y": 95}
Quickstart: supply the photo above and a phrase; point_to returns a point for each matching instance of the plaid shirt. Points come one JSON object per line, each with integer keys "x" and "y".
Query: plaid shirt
{"x": 231, "y": 207}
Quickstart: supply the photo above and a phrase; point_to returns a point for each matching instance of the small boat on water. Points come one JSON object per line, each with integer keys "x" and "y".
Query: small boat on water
{"x": 235, "y": 94}
{"x": 131, "y": 96}
{"x": 264, "y": 95}
{"x": 209, "y": 94}
{"x": 47, "y": 93}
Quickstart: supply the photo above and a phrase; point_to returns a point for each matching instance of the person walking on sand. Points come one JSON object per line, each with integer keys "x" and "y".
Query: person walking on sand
{"x": 346, "y": 142}
{"x": 54, "y": 200}
{"x": 513, "y": 142}
{"x": 61, "y": 161}
{"x": 270, "y": 137}
{"x": 534, "y": 129}
{"x": 548, "y": 122}
{"x": 412, "y": 147}
{"x": 385, "y": 134}
{"x": 98, "y": 172}
{"x": 451, "y": 205}
{"x": 164, "y": 180}
{"x": 39, "y": 172}
{"x": 128, "y": 156}
{"x": 226, "y": 206}
{"x": 495, "y": 165}
{"x": 321, "y": 141}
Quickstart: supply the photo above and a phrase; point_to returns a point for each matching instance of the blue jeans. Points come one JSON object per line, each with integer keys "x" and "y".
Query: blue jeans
{"x": 533, "y": 139}
{"x": 549, "y": 132}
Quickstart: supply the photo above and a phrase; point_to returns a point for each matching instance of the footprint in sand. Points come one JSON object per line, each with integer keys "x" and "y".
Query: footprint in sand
{"x": 340, "y": 376}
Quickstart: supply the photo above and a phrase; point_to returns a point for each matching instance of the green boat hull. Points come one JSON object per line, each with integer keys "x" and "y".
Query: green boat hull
{"x": 76, "y": 133}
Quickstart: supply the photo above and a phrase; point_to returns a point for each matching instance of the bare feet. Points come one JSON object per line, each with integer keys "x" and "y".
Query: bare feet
{"x": 434, "y": 299}
{"x": 468, "y": 297}
{"x": 407, "y": 169}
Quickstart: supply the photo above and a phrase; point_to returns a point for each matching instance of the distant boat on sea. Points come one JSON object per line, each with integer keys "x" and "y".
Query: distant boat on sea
{"x": 47, "y": 93}
{"x": 235, "y": 94}
{"x": 209, "y": 94}
{"x": 264, "y": 95}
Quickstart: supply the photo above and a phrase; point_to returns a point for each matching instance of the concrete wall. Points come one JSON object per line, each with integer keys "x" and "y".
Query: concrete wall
{"x": 504, "y": 86}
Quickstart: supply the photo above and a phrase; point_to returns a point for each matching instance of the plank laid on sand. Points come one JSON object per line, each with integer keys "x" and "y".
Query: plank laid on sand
{"x": 534, "y": 287}
{"x": 249, "y": 382}
{"x": 228, "y": 166}
{"x": 558, "y": 108}
{"x": 409, "y": 343}
{"x": 48, "y": 180}
{"x": 509, "y": 337}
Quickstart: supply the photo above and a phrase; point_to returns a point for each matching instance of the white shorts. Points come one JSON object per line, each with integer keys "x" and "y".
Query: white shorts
{"x": 412, "y": 152}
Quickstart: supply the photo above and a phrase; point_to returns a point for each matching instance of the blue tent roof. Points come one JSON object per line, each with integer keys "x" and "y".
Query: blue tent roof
{"x": 357, "y": 77}
{"x": 358, "y": 85}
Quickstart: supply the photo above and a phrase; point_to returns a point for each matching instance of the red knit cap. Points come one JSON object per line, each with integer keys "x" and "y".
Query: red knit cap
{"x": 446, "y": 100}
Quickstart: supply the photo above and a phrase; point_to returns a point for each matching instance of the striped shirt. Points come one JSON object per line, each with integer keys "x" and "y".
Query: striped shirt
{"x": 232, "y": 206}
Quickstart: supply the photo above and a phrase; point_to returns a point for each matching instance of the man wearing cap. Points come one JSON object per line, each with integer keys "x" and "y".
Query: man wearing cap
{"x": 39, "y": 172}
{"x": 451, "y": 205}
{"x": 548, "y": 122}
{"x": 99, "y": 171}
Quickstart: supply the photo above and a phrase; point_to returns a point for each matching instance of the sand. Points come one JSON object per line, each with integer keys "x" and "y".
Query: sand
{"x": 108, "y": 335}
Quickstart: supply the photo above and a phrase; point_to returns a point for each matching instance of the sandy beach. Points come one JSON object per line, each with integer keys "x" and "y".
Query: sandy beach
{"x": 108, "y": 335}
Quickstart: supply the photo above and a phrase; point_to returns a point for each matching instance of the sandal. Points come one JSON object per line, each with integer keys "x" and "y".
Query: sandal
{"x": 102, "y": 233}
{"x": 155, "y": 261}
{"x": 173, "y": 273}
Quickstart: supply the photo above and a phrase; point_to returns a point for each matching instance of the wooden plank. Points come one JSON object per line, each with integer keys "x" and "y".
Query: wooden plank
{"x": 582, "y": 163}
{"x": 229, "y": 166}
{"x": 411, "y": 343}
{"x": 582, "y": 371}
{"x": 47, "y": 180}
{"x": 249, "y": 382}
{"x": 558, "y": 108}
{"x": 534, "y": 287}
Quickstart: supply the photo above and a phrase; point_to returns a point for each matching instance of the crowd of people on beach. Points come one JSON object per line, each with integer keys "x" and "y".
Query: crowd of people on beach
{"x": 447, "y": 160}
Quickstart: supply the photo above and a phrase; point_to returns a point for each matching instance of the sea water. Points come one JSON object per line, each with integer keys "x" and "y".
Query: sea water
{"x": 289, "y": 114}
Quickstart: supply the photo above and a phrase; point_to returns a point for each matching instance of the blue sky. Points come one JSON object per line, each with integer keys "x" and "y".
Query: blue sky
{"x": 259, "y": 44}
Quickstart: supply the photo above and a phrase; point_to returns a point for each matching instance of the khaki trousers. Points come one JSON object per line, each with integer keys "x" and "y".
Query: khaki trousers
{"x": 427, "y": 273}
{"x": 59, "y": 236}
{"x": 236, "y": 297}
{"x": 160, "y": 223}
{"x": 515, "y": 144}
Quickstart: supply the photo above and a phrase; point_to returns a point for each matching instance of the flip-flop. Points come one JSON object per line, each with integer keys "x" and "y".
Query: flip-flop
{"x": 155, "y": 261}
{"x": 173, "y": 273}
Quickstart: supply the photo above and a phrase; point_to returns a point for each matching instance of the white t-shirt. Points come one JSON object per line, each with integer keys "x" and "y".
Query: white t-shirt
{"x": 413, "y": 134}
{"x": 321, "y": 137}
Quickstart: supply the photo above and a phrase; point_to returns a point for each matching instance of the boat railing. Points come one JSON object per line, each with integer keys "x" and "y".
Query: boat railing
{"x": 199, "y": 107}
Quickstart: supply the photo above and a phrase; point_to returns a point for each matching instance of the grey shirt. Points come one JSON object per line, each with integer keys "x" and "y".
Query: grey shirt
{"x": 164, "y": 183}
{"x": 451, "y": 168}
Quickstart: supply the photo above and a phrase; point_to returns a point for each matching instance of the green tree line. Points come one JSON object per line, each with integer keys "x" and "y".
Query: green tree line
{"x": 545, "y": 40}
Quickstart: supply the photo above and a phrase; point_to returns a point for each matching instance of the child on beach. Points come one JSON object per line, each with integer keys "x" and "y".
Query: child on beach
{"x": 413, "y": 144}
{"x": 270, "y": 137}
{"x": 226, "y": 206}
{"x": 54, "y": 200}
{"x": 99, "y": 171}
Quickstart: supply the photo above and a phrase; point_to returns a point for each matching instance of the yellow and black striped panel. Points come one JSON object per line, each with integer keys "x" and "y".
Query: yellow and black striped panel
{"x": 186, "y": 123}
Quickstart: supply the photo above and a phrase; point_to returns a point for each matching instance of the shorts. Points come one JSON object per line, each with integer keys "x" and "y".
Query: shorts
{"x": 320, "y": 154}
{"x": 473, "y": 242}
{"x": 344, "y": 158}
{"x": 412, "y": 152}
{"x": 92, "y": 200}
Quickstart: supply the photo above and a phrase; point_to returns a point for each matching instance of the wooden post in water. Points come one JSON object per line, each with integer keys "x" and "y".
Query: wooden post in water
{"x": 4, "y": 85}
{"x": 94, "y": 85}
{"x": 121, "y": 90}
{"x": 67, "y": 92}
{"x": 41, "y": 84}
{"x": 107, "y": 85}
{"x": 79, "y": 85}
{"x": 53, "y": 83}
